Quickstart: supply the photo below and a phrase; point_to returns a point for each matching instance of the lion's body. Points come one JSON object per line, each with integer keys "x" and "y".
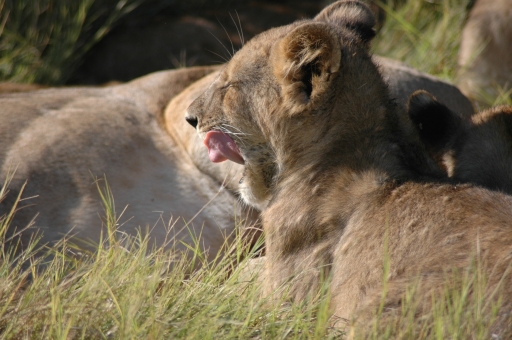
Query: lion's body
{"x": 61, "y": 140}
{"x": 343, "y": 182}
{"x": 7, "y": 87}
{"x": 404, "y": 80}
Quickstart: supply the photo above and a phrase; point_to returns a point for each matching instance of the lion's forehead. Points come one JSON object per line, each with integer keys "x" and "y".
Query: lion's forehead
{"x": 267, "y": 38}
{"x": 258, "y": 49}
{"x": 247, "y": 64}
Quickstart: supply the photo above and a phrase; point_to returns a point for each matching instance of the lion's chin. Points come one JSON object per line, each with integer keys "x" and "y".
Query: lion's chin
{"x": 251, "y": 196}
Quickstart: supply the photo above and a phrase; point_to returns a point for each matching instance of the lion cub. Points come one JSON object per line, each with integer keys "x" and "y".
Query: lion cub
{"x": 475, "y": 149}
{"x": 341, "y": 179}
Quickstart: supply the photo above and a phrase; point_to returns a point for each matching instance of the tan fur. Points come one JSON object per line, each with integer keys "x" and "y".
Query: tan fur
{"x": 61, "y": 140}
{"x": 341, "y": 177}
{"x": 485, "y": 60}
{"x": 198, "y": 181}
{"x": 6, "y": 87}
{"x": 404, "y": 81}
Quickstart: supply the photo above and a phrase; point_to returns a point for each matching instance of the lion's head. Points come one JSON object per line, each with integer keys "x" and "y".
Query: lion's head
{"x": 281, "y": 101}
{"x": 476, "y": 149}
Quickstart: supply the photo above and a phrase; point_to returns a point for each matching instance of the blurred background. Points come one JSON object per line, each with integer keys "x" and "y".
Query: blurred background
{"x": 89, "y": 42}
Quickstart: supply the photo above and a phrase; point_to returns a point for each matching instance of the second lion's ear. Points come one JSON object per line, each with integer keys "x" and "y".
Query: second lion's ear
{"x": 305, "y": 60}
{"x": 437, "y": 125}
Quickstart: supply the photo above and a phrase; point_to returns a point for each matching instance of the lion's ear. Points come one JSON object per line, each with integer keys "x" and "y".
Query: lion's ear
{"x": 437, "y": 125}
{"x": 501, "y": 115}
{"x": 353, "y": 15}
{"x": 304, "y": 61}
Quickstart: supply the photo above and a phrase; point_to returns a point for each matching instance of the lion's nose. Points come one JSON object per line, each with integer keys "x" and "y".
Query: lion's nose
{"x": 192, "y": 121}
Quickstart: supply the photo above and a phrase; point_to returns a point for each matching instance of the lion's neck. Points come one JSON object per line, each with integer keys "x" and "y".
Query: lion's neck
{"x": 306, "y": 219}
{"x": 359, "y": 152}
{"x": 325, "y": 180}
{"x": 327, "y": 172}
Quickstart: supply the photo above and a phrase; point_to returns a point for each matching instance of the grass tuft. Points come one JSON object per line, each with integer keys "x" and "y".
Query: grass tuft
{"x": 423, "y": 34}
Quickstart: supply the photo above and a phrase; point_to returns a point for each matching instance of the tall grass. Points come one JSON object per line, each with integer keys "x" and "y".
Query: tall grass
{"x": 43, "y": 41}
{"x": 462, "y": 309}
{"x": 125, "y": 291}
{"x": 423, "y": 34}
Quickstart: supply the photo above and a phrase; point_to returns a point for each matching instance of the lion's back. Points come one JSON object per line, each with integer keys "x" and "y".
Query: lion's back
{"x": 60, "y": 141}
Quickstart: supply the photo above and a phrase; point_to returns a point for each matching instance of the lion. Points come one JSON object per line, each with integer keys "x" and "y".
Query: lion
{"x": 476, "y": 149}
{"x": 341, "y": 180}
{"x": 402, "y": 80}
{"x": 61, "y": 142}
{"x": 485, "y": 62}
{"x": 145, "y": 118}
{"x": 134, "y": 134}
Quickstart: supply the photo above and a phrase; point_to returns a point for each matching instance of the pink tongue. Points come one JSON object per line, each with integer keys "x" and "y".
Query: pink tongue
{"x": 221, "y": 147}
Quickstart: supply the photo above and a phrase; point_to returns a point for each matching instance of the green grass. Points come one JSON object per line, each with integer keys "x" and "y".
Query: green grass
{"x": 426, "y": 35}
{"x": 423, "y": 34}
{"x": 462, "y": 309}
{"x": 124, "y": 291}
{"x": 43, "y": 41}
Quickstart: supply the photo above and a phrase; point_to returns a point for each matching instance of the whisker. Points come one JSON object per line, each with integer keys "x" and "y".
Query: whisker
{"x": 220, "y": 42}
{"x": 227, "y": 34}
{"x": 235, "y": 135}
{"x": 224, "y": 129}
{"x": 229, "y": 129}
{"x": 235, "y": 128}
{"x": 241, "y": 30}
{"x": 218, "y": 55}
{"x": 238, "y": 30}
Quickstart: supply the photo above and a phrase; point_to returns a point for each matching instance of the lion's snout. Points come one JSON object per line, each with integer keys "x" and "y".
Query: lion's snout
{"x": 192, "y": 120}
